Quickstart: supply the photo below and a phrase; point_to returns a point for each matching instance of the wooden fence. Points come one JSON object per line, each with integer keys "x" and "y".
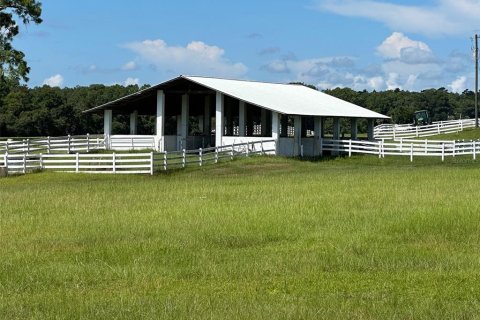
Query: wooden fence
{"x": 410, "y": 148}
{"x": 65, "y": 144}
{"x": 397, "y": 131}
{"x": 129, "y": 163}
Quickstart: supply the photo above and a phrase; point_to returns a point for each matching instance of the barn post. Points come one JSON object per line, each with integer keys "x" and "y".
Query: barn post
{"x": 133, "y": 122}
{"x": 317, "y": 129}
{"x": 297, "y": 122}
{"x": 353, "y": 129}
{"x": 370, "y": 126}
{"x": 107, "y": 126}
{"x": 241, "y": 119}
{"x": 336, "y": 135}
{"x": 275, "y": 129}
{"x": 185, "y": 117}
{"x": 219, "y": 107}
{"x": 159, "y": 136}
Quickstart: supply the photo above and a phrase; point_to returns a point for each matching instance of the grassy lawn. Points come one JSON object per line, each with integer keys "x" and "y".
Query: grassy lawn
{"x": 269, "y": 238}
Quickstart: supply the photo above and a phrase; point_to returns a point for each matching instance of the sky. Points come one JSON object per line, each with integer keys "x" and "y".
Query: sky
{"x": 359, "y": 44}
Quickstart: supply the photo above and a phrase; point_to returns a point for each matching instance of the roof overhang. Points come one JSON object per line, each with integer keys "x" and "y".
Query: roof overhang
{"x": 281, "y": 98}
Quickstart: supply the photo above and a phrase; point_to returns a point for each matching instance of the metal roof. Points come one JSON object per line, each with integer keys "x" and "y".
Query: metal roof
{"x": 291, "y": 99}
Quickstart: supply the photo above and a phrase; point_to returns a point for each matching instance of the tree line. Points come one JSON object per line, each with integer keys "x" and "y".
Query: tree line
{"x": 43, "y": 111}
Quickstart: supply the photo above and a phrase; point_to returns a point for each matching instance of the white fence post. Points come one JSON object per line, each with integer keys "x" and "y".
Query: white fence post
{"x": 165, "y": 160}
{"x": 28, "y": 145}
{"x": 474, "y": 150}
{"x": 416, "y": 132}
{"x": 200, "y": 158}
{"x": 68, "y": 145}
{"x": 41, "y": 161}
{"x": 113, "y": 163}
{"x": 411, "y": 152}
{"x": 231, "y": 156}
{"x": 151, "y": 163}
{"x": 184, "y": 158}
{"x": 24, "y": 163}
{"x": 438, "y": 128}
{"x": 443, "y": 151}
{"x": 88, "y": 142}
{"x": 216, "y": 154}
{"x": 77, "y": 163}
{"x": 453, "y": 152}
{"x": 401, "y": 145}
{"x": 247, "y": 151}
{"x": 380, "y": 149}
{"x": 48, "y": 145}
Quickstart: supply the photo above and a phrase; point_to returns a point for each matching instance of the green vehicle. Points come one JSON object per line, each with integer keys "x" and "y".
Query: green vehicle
{"x": 421, "y": 118}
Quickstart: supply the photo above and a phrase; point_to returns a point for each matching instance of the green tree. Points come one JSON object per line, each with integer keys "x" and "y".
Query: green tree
{"x": 14, "y": 67}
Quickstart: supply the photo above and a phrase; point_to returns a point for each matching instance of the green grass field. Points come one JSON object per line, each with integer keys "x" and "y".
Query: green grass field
{"x": 268, "y": 238}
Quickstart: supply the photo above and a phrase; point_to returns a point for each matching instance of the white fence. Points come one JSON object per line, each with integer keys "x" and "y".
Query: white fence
{"x": 396, "y": 131}
{"x": 410, "y": 148}
{"x": 130, "y": 142}
{"x": 64, "y": 144}
{"x": 130, "y": 163}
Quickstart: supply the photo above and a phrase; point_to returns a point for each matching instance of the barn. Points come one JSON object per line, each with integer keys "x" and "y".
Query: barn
{"x": 197, "y": 112}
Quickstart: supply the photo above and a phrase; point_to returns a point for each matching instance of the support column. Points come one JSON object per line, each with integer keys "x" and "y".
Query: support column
{"x": 370, "y": 126}
{"x": 107, "y": 122}
{"x": 275, "y": 129}
{"x": 297, "y": 122}
{"x": 219, "y": 106}
{"x": 336, "y": 128}
{"x": 133, "y": 122}
{"x": 318, "y": 129}
{"x": 353, "y": 129}
{"x": 185, "y": 117}
{"x": 207, "y": 117}
{"x": 159, "y": 124}
{"x": 263, "y": 119}
{"x": 241, "y": 118}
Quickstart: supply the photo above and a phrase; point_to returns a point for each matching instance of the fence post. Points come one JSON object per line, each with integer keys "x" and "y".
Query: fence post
{"x": 438, "y": 128}
{"x": 461, "y": 125}
{"x": 247, "y": 151}
{"x": 411, "y": 152}
{"x": 113, "y": 163}
{"x": 184, "y": 158}
{"x": 6, "y": 160}
{"x": 41, "y": 161}
{"x": 68, "y": 146}
{"x": 151, "y": 163}
{"x": 474, "y": 150}
{"x": 454, "y": 145}
{"x": 401, "y": 145}
{"x": 380, "y": 148}
{"x": 416, "y": 131}
{"x": 231, "y": 157}
{"x": 131, "y": 142}
{"x": 77, "y": 163}
{"x": 165, "y": 160}
{"x": 48, "y": 145}
{"x": 216, "y": 154}
{"x": 24, "y": 163}
{"x": 200, "y": 158}
{"x": 350, "y": 148}
{"x": 443, "y": 151}
{"x": 88, "y": 142}
{"x": 28, "y": 145}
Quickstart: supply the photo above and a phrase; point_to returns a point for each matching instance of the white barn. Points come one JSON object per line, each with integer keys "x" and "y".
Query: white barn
{"x": 193, "y": 112}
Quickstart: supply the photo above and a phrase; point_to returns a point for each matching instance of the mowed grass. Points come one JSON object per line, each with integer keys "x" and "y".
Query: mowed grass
{"x": 261, "y": 238}
{"x": 467, "y": 135}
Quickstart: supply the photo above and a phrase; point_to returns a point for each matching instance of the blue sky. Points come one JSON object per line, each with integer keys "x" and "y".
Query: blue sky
{"x": 361, "y": 44}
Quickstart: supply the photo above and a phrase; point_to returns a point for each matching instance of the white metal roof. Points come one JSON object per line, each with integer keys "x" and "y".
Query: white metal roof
{"x": 287, "y": 98}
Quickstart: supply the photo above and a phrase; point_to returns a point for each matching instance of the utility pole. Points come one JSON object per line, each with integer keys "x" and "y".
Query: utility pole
{"x": 476, "y": 80}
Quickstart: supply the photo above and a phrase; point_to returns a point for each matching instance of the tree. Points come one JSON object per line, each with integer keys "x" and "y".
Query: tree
{"x": 13, "y": 64}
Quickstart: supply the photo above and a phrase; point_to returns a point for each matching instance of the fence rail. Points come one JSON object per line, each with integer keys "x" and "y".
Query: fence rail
{"x": 410, "y": 148}
{"x": 65, "y": 144}
{"x": 397, "y": 131}
{"x": 129, "y": 163}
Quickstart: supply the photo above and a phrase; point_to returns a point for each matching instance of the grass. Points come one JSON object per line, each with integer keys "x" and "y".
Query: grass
{"x": 255, "y": 238}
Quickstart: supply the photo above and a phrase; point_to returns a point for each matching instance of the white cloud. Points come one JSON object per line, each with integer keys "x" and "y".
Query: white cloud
{"x": 195, "y": 58}
{"x": 131, "y": 81}
{"x": 396, "y": 45}
{"x": 458, "y": 85}
{"x": 130, "y": 65}
{"x": 54, "y": 81}
{"x": 445, "y": 17}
